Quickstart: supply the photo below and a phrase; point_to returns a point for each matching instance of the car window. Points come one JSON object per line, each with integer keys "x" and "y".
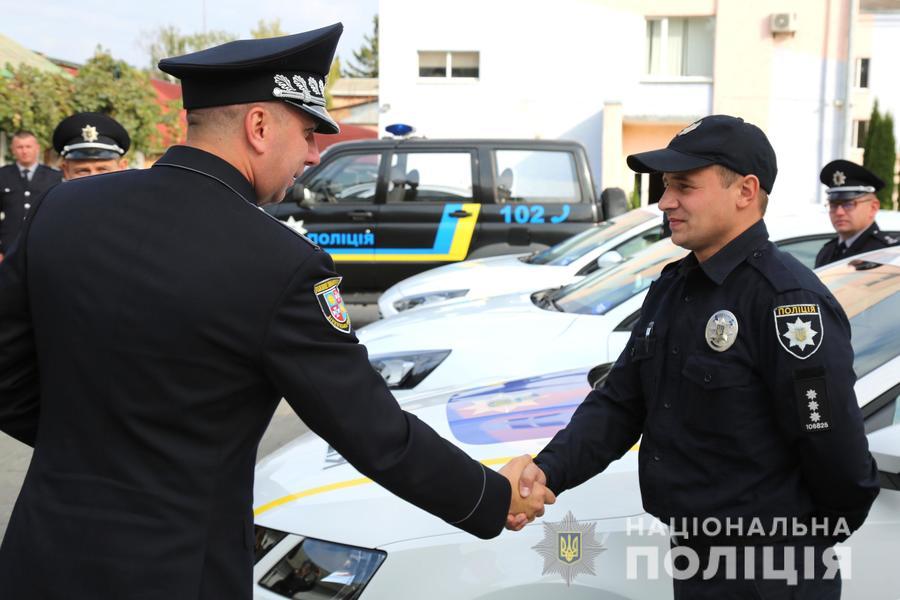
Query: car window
{"x": 347, "y": 179}
{"x": 868, "y": 292}
{"x": 640, "y": 242}
{"x": 430, "y": 177}
{"x": 570, "y": 250}
{"x": 883, "y": 411}
{"x": 805, "y": 249}
{"x": 547, "y": 176}
{"x": 602, "y": 291}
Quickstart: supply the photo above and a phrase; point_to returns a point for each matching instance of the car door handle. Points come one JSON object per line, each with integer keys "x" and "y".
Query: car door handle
{"x": 360, "y": 215}
{"x": 460, "y": 214}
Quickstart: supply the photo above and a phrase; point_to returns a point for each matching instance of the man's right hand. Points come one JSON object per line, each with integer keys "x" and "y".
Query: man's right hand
{"x": 529, "y": 495}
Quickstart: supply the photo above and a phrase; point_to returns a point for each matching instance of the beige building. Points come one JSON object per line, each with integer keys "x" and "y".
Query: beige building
{"x": 623, "y": 76}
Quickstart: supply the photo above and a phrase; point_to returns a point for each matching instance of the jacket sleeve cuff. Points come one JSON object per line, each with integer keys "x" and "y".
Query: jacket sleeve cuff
{"x": 488, "y": 514}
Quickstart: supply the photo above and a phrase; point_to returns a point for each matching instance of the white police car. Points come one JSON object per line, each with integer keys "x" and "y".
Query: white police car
{"x": 325, "y": 531}
{"x": 578, "y": 326}
{"x": 597, "y": 247}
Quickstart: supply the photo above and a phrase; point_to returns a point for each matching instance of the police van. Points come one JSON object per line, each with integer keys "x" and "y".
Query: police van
{"x": 387, "y": 209}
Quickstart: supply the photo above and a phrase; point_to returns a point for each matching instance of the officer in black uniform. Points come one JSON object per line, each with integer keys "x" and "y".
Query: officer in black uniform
{"x": 852, "y": 206}
{"x": 90, "y": 143}
{"x": 737, "y": 380}
{"x": 150, "y": 322}
{"x": 21, "y": 183}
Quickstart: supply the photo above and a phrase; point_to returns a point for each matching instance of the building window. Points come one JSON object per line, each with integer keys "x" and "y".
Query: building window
{"x": 860, "y": 131}
{"x": 457, "y": 65}
{"x": 680, "y": 46}
{"x": 862, "y": 72}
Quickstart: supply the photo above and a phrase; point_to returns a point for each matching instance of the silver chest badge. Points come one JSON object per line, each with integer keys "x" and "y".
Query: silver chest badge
{"x": 721, "y": 330}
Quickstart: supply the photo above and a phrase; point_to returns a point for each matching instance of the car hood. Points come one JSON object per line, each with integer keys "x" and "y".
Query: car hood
{"x": 464, "y": 324}
{"x": 457, "y": 272}
{"x": 307, "y": 489}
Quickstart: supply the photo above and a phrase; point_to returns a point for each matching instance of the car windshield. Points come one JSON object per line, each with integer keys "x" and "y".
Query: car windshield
{"x": 868, "y": 291}
{"x": 599, "y": 293}
{"x": 564, "y": 253}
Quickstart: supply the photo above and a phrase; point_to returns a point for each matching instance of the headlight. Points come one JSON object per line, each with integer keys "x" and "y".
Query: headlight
{"x": 323, "y": 570}
{"x": 405, "y": 371}
{"x": 430, "y": 298}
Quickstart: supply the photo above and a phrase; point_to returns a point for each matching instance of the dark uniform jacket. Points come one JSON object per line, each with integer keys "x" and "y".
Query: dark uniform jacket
{"x": 769, "y": 428}
{"x": 150, "y": 321}
{"x": 18, "y": 195}
{"x": 870, "y": 239}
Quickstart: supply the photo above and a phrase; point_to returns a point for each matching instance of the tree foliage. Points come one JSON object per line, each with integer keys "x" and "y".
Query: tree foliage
{"x": 168, "y": 41}
{"x": 35, "y": 100}
{"x": 267, "y": 29}
{"x": 367, "y": 56}
{"x": 111, "y": 86}
{"x": 38, "y": 101}
{"x": 880, "y": 153}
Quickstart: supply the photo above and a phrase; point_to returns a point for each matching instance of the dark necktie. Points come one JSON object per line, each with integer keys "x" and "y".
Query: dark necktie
{"x": 840, "y": 250}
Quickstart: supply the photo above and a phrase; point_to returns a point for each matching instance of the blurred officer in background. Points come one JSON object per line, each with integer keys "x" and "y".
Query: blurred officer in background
{"x": 90, "y": 143}
{"x": 852, "y": 207}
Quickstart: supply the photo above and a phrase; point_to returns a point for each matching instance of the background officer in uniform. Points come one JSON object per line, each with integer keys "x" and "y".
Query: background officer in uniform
{"x": 737, "y": 379}
{"x": 90, "y": 143}
{"x": 852, "y": 206}
{"x": 150, "y": 322}
{"x": 20, "y": 185}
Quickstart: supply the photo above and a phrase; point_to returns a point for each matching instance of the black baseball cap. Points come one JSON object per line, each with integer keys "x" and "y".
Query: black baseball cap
{"x": 847, "y": 180}
{"x": 90, "y": 136}
{"x": 714, "y": 140}
{"x": 291, "y": 68}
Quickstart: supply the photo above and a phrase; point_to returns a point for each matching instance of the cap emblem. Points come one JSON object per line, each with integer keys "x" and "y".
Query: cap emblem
{"x": 690, "y": 127}
{"x": 839, "y": 178}
{"x": 301, "y": 91}
{"x": 89, "y": 133}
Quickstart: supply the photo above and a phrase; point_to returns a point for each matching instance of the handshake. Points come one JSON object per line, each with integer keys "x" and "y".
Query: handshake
{"x": 529, "y": 492}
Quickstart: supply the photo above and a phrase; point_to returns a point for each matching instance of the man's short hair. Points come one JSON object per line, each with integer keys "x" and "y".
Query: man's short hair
{"x": 23, "y": 133}
{"x": 727, "y": 177}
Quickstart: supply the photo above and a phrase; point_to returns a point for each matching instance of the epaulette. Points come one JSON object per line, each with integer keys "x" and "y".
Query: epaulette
{"x": 780, "y": 269}
{"x": 885, "y": 238}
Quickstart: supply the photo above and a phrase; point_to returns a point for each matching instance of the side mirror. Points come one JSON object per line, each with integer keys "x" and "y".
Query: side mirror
{"x": 609, "y": 258}
{"x": 300, "y": 195}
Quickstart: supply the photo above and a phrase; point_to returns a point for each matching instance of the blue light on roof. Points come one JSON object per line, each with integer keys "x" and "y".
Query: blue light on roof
{"x": 400, "y": 129}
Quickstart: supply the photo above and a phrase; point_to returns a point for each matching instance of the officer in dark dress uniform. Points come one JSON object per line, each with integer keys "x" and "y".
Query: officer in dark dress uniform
{"x": 150, "y": 322}
{"x": 852, "y": 207}
{"x": 90, "y": 143}
{"x": 738, "y": 382}
{"x": 20, "y": 185}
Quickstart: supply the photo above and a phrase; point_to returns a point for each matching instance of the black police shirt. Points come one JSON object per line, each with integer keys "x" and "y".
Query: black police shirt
{"x": 738, "y": 380}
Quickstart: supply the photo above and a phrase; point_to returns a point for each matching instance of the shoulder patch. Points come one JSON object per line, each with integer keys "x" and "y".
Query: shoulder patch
{"x": 813, "y": 406}
{"x": 332, "y": 304}
{"x": 886, "y": 238}
{"x": 799, "y": 329}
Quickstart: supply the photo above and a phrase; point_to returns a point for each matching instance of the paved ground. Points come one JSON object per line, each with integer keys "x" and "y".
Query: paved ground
{"x": 285, "y": 426}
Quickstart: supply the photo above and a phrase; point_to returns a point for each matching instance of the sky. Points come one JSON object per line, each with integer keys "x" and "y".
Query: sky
{"x": 72, "y": 30}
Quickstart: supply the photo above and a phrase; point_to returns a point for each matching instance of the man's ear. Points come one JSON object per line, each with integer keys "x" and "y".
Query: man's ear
{"x": 258, "y": 123}
{"x": 123, "y": 163}
{"x": 748, "y": 190}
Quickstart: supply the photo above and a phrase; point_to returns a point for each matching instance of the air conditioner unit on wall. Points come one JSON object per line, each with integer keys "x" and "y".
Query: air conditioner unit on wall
{"x": 783, "y": 22}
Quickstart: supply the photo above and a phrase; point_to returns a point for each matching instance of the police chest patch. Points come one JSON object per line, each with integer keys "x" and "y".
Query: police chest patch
{"x": 331, "y": 303}
{"x": 813, "y": 406}
{"x": 798, "y": 328}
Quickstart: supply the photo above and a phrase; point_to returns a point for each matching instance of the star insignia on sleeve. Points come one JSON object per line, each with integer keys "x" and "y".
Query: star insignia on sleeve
{"x": 814, "y": 417}
{"x": 800, "y": 334}
{"x": 813, "y": 405}
{"x": 811, "y": 394}
{"x": 89, "y": 133}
